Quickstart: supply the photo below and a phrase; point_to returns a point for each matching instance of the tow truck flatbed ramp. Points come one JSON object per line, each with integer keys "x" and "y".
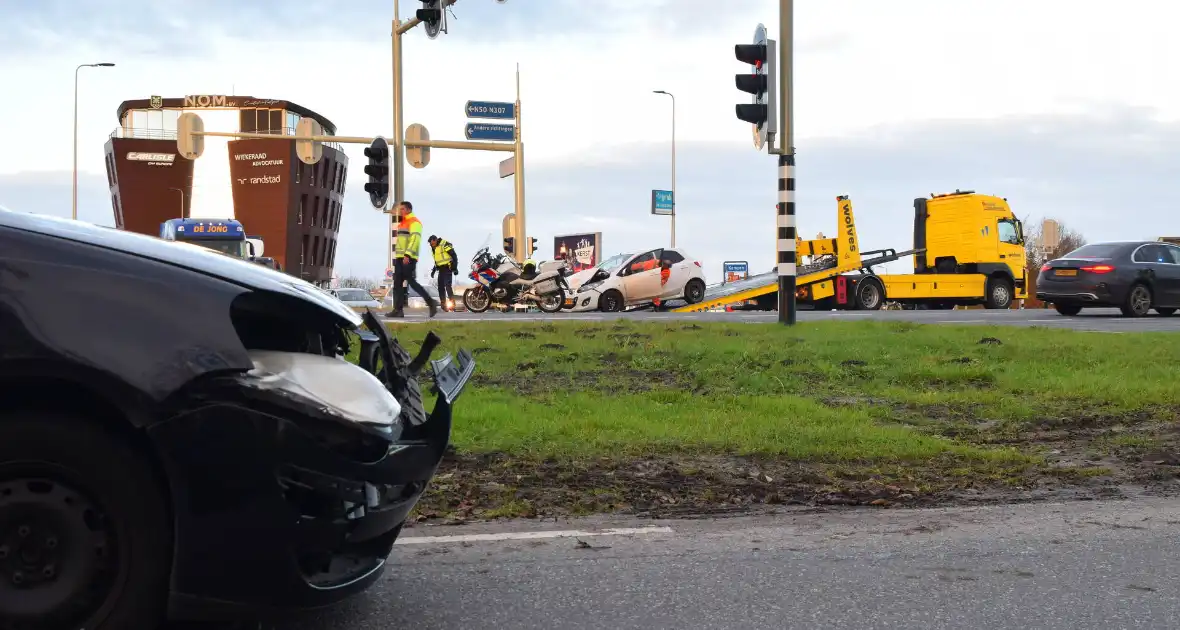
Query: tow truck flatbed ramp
{"x": 765, "y": 283}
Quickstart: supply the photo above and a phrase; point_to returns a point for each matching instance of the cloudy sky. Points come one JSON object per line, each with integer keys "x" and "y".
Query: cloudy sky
{"x": 1067, "y": 109}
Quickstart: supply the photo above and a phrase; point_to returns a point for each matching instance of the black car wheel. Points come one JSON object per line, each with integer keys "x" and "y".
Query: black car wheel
{"x": 85, "y": 540}
{"x": 694, "y": 291}
{"x": 610, "y": 302}
{"x": 1138, "y": 301}
{"x": 1069, "y": 310}
{"x": 1166, "y": 312}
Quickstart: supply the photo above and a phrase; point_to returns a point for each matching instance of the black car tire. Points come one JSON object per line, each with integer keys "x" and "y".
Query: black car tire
{"x": 1069, "y": 310}
{"x": 1166, "y": 312}
{"x": 610, "y": 301}
{"x": 97, "y": 497}
{"x": 870, "y": 295}
{"x": 694, "y": 291}
{"x": 999, "y": 293}
{"x": 1138, "y": 301}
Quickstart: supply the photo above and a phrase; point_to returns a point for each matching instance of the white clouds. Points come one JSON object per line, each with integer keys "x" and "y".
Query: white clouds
{"x": 859, "y": 64}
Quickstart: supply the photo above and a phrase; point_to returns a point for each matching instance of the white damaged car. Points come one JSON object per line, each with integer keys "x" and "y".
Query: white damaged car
{"x": 627, "y": 280}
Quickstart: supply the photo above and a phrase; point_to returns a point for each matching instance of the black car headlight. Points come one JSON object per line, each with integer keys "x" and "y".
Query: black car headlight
{"x": 338, "y": 387}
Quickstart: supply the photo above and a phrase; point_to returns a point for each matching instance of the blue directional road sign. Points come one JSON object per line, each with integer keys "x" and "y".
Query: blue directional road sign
{"x": 486, "y": 131}
{"x": 490, "y": 109}
{"x": 662, "y": 202}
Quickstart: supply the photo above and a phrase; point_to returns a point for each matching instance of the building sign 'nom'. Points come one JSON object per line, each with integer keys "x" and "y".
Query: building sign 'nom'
{"x": 208, "y": 100}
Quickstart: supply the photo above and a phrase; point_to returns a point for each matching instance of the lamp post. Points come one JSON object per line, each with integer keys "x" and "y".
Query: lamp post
{"x": 181, "y": 191}
{"x": 674, "y": 198}
{"x": 74, "y": 204}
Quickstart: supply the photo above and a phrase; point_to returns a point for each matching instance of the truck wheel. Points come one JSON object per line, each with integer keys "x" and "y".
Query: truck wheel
{"x": 999, "y": 293}
{"x": 85, "y": 538}
{"x": 869, "y": 295}
{"x": 1138, "y": 301}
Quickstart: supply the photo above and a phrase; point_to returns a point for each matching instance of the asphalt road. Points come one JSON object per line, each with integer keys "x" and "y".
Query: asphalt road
{"x": 1046, "y": 566}
{"x": 1098, "y": 320}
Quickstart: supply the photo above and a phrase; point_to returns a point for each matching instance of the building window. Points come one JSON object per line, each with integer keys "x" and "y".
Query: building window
{"x": 299, "y": 215}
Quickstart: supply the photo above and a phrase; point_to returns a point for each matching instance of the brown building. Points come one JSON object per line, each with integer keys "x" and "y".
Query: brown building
{"x": 294, "y": 207}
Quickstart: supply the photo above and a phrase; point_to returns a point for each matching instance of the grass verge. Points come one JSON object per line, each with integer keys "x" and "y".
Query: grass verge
{"x": 664, "y": 418}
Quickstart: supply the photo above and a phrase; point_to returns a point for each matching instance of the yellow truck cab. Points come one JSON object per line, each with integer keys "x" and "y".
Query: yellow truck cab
{"x": 969, "y": 250}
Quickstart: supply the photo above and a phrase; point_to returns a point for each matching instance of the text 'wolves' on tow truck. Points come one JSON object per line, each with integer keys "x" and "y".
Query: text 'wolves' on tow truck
{"x": 227, "y": 236}
{"x": 968, "y": 250}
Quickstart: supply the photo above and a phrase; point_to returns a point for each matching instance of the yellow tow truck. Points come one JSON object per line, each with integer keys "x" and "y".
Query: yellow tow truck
{"x": 968, "y": 250}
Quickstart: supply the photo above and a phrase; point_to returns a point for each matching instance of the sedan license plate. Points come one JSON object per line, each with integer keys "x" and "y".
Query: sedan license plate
{"x": 1066, "y": 272}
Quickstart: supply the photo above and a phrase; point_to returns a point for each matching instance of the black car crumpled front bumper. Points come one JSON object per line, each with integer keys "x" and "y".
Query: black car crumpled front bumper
{"x": 280, "y": 504}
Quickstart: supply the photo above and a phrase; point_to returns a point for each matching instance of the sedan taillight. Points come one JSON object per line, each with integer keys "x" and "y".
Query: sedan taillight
{"x": 1098, "y": 269}
{"x": 1045, "y": 267}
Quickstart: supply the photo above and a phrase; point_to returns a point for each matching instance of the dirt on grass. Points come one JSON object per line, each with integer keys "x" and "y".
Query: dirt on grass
{"x": 1088, "y": 457}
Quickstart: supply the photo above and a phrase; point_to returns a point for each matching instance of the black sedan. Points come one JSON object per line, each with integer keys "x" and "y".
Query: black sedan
{"x": 192, "y": 443}
{"x": 1135, "y": 276}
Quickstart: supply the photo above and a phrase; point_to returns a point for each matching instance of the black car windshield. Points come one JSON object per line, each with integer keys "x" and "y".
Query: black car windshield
{"x": 1095, "y": 250}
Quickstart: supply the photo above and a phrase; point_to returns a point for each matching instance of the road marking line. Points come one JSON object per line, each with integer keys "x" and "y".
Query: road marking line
{"x": 962, "y": 321}
{"x": 566, "y": 533}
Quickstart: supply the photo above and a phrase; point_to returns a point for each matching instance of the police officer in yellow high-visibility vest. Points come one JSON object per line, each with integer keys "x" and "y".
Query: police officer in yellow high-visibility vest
{"x": 405, "y": 252}
{"x": 446, "y": 265}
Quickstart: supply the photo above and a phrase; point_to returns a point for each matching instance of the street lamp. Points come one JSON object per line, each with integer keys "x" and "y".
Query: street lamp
{"x": 181, "y": 191}
{"x": 74, "y": 206}
{"x": 674, "y": 198}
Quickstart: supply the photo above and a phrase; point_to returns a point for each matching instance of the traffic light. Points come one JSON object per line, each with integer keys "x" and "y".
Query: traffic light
{"x": 433, "y": 16}
{"x": 532, "y": 246}
{"x": 378, "y": 171}
{"x": 760, "y": 84}
{"x": 509, "y": 246}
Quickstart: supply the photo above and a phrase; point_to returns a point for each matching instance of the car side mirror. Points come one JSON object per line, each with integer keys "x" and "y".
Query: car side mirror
{"x": 250, "y": 248}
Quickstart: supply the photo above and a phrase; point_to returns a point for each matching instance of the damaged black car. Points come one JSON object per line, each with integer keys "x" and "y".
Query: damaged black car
{"x": 181, "y": 437}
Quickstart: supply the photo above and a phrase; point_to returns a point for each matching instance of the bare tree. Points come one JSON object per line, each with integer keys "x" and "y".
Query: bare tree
{"x": 357, "y": 282}
{"x": 1036, "y": 254}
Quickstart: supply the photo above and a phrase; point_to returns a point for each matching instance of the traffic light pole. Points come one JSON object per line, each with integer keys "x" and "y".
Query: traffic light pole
{"x": 521, "y": 248}
{"x": 787, "y": 258}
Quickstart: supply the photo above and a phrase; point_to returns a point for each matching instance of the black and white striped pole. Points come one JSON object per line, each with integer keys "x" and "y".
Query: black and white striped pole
{"x": 787, "y": 257}
{"x": 786, "y": 238}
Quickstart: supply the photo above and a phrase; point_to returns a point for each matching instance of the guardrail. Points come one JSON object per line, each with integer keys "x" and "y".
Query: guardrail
{"x": 143, "y": 133}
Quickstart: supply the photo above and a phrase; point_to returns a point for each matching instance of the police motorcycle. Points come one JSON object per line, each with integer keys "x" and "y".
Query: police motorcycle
{"x": 501, "y": 282}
